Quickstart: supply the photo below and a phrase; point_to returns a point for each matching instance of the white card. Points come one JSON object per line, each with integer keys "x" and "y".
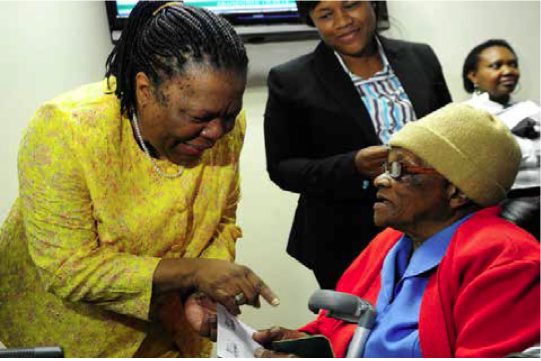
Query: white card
{"x": 234, "y": 337}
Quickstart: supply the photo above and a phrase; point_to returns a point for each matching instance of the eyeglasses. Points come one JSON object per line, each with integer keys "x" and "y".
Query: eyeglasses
{"x": 396, "y": 169}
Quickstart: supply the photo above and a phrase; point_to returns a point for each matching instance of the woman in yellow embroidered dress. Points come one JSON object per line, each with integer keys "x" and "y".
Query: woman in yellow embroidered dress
{"x": 127, "y": 197}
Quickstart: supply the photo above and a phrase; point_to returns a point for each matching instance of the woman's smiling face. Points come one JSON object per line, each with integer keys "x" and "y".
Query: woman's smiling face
{"x": 346, "y": 26}
{"x": 187, "y": 114}
{"x": 497, "y": 72}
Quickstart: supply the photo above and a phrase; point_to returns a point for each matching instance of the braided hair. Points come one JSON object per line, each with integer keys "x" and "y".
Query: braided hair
{"x": 472, "y": 60}
{"x": 161, "y": 37}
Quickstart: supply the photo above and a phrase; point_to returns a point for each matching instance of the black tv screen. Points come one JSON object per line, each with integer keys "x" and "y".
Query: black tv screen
{"x": 250, "y": 18}
{"x": 254, "y": 20}
{"x": 238, "y": 12}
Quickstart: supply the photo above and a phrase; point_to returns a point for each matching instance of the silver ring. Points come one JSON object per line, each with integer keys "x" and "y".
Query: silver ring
{"x": 240, "y": 299}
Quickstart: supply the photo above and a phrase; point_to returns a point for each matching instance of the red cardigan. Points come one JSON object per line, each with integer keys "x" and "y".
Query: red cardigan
{"x": 482, "y": 300}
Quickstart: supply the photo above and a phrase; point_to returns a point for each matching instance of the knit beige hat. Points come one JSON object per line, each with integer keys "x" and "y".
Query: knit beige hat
{"x": 470, "y": 147}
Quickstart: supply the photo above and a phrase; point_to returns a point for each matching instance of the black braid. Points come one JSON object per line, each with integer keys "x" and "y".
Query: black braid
{"x": 160, "y": 44}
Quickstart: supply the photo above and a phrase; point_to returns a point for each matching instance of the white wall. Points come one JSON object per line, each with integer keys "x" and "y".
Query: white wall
{"x": 51, "y": 47}
{"x": 453, "y": 28}
{"x": 47, "y": 48}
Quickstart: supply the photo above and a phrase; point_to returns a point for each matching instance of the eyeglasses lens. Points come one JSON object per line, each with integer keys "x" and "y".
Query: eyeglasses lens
{"x": 396, "y": 170}
{"x": 393, "y": 169}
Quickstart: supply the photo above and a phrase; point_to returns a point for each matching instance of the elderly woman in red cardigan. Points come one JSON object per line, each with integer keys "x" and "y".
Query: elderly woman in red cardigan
{"x": 449, "y": 277}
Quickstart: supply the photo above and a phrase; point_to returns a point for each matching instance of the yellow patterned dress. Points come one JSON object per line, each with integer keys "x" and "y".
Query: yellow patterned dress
{"x": 93, "y": 219}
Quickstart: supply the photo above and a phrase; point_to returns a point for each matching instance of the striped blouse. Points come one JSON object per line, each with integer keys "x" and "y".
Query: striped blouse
{"x": 384, "y": 98}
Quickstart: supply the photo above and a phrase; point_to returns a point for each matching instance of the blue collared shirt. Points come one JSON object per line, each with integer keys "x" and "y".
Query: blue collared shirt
{"x": 403, "y": 281}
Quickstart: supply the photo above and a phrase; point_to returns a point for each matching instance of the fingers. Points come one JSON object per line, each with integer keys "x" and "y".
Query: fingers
{"x": 377, "y": 151}
{"x": 262, "y": 289}
{"x": 213, "y": 329}
{"x": 204, "y": 329}
{"x": 376, "y": 155}
{"x": 250, "y": 288}
{"x": 264, "y": 353}
{"x": 266, "y": 337}
{"x": 232, "y": 285}
{"x": 206, "y": 302}
{"x": 248, "y": 293}
{"x": 269, "y": 296}
{"x": 240, "y": 299}
{"x": 200, "y": 313}
{"x": 228, "y": 300}
{"x": 209, "y": 327}
{"x": 369, "y": 160}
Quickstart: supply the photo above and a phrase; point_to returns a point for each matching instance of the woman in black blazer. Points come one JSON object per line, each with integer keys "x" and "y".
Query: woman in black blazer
{"x": 327, "y": 119}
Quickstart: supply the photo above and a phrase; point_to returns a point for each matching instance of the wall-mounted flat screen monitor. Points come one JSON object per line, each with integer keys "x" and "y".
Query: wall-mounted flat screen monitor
{"x": 254, "y": 20}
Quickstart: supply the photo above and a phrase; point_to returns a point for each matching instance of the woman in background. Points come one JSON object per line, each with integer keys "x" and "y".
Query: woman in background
{"x": 128, "y": 195}
{"x": 491, "y": 72}
{"x": 328, "y": 118}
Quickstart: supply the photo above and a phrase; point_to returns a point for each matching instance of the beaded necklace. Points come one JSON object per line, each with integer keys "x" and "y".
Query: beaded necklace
{"x": 147, "y": 152}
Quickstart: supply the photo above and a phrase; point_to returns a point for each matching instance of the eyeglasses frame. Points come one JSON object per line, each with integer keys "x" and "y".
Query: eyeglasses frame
{"x": 404, "y": 169}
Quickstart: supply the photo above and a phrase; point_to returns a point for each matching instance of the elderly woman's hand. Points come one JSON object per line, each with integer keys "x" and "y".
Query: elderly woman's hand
{"x": 266, "y": 337}
{"x": 224, "y": 282}
{"x": 369, "y": 160}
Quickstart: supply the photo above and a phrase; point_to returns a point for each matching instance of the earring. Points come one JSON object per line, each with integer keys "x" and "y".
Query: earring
{"x": 476, "y": 89}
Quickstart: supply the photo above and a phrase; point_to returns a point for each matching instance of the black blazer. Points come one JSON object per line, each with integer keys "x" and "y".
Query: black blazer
{"x": 315, "y": 122}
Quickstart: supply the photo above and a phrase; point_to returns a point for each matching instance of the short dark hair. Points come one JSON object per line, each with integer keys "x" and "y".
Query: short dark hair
{"x": 304, "y": 8}
{"x": 161, "y": 37}
{"x": 472, "y": 60}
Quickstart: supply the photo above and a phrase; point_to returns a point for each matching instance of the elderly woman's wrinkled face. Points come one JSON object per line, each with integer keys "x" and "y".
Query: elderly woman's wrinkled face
{"x": 187, "y": 114}
{"x": 411, "y": 201}
{"x": 346, "y": 26}
{"x": 497, "y": 72}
